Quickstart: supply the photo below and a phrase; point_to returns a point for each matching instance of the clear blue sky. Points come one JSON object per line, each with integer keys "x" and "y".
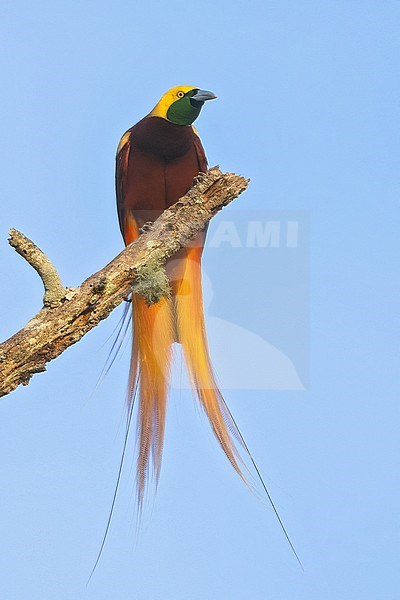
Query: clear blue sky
{"x": 307, "y": 107}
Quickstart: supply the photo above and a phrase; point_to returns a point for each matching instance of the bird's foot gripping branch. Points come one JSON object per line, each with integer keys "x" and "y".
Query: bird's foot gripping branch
{"x": 68, "y": 314}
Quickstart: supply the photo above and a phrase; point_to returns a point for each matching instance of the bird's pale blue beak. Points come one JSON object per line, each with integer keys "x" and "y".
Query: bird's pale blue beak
{"x": 203, "y": 95}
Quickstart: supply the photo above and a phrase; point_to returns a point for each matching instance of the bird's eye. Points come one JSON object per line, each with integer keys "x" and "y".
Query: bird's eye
{"x": 180, "y": 94}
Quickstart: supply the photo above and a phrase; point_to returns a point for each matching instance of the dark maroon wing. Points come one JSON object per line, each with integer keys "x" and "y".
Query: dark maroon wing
{"x": 201, "y": 155}
{"x": 121, "y": 177}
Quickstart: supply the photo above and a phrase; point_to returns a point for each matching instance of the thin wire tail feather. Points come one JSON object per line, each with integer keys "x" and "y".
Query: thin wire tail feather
{"x": 116, "y": 488}
{"x": 121, "y": 328}
{"x": 264, "y": 486}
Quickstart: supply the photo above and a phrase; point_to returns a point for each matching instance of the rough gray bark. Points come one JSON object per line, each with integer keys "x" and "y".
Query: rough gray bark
{"x": 68, "y": 314}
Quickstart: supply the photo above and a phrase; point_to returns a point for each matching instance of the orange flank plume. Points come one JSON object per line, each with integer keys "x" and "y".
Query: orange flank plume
{"x": 192, "y": 335}
{"x": 155, "y": 328}
{"x": 153, "y": 332}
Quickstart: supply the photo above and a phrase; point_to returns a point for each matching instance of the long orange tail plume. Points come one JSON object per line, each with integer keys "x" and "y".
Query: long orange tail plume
{"x": 153, "y": 335}
{"x": 192, "y": 335}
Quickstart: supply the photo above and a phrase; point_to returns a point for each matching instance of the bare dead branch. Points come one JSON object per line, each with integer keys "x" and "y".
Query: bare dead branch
{"x": 54, "y": 291}
{"x": 70, "y": 314}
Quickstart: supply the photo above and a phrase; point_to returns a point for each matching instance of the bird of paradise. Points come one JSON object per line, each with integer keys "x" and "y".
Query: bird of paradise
{"x": 156, "y": 162}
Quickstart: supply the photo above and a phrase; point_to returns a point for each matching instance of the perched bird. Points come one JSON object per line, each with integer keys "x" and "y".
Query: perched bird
{"x": 157, "y": 160}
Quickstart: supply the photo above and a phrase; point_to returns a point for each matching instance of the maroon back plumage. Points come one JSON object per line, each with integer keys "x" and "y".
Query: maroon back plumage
{"x": 155, "y": 167}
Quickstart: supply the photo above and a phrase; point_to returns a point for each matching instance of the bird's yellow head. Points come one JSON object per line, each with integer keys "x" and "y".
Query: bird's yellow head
{"x": 181, "y": 104}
